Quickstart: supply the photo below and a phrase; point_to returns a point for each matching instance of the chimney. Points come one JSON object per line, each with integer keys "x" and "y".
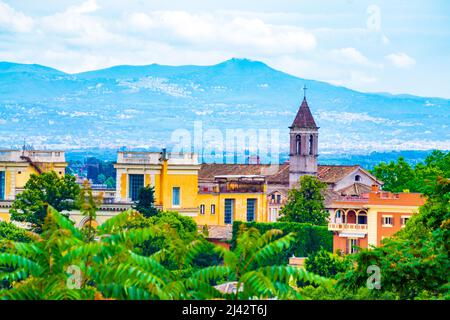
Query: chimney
{"x": 164, "y": 154}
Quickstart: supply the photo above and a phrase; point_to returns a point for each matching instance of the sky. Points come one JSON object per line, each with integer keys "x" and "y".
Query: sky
{"x": 371, "y": 46}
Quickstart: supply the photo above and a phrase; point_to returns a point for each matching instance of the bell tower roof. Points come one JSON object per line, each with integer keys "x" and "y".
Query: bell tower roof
{"x": 304, "y": 118}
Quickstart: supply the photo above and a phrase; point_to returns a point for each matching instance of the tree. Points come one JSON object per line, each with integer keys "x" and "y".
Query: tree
{"x": 101, "y": 178}
{"x": 9, "y": 231}
{"x": 110, "y": 182}
{"x": 395, "y": 175}
{"x": 250, "y": 267}
{"x": 326, "y": 264}
{"x": 41, "y": 191}
{"x": 61, "y": 264}
{"x": 306, "y": 203}
{"x": 145, "y": 203}
{"x": 399, "y": 175}
{"x": 89, "y": 205}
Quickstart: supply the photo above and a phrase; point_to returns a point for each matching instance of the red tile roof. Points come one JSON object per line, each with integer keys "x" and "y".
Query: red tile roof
{"x": 304, "y": 118}
{"x": 326, "y": 173}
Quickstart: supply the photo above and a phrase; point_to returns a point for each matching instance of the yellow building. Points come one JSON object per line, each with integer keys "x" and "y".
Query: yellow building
{"x": 174, "y": 177}
{"x": 232, "y": 197}
{"x": 16, "y": 167}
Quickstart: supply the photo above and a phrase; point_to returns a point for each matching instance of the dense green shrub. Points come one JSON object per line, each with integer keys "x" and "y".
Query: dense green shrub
{"x": 9, "y": 231}
{"x": 308, "y": 238}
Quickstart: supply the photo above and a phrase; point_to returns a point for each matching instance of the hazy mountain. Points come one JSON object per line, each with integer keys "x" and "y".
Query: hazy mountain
{"x": 141, "y": 106}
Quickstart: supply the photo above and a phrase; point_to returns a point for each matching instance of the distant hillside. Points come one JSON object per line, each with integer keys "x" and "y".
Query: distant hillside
{"x": 140, "y": 106}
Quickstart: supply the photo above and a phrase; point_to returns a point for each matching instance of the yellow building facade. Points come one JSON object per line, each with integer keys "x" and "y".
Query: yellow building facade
{"x": 177, "y": 188}
{"x": 173, "y": 176}
{"x": 16, "y": 167}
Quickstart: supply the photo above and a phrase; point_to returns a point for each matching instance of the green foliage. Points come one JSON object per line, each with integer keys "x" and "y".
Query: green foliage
{"x": 399, "y": 175}
{"x": 308, "y": 238}
{"x": 41, "y": 191}
{"x": 9, "y": 231}
{"x": 250, "y": 266}
{"x": 110, "y": 183}
{"x": 111, "y": 267}
{"x": 326, "y": 264}
{"x": 330, "y": 291}
{"x": 145, "y": 203}
{"x": 306, "y": 203}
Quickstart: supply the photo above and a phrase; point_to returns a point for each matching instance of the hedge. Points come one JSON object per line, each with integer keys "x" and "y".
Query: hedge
{"x": 309, "y": 238}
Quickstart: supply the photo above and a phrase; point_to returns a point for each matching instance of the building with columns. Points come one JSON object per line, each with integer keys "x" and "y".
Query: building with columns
{"x": 362, "y": 222}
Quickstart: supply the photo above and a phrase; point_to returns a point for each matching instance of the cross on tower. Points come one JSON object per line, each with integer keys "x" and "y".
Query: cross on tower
{"x": 304, "y": 91}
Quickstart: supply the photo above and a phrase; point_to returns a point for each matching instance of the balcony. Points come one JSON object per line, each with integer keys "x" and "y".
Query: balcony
{"x": 348, "y": 227}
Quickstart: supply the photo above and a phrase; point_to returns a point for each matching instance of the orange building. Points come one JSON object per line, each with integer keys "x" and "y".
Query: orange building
{"x": 362, "y": 222}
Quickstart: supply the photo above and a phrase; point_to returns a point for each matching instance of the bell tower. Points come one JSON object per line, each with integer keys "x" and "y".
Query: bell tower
{"x": 304, "y": 138}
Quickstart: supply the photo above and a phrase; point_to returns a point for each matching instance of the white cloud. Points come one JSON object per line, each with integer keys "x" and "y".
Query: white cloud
{"x": 401, "y": 60}
{"x": 212, "y": 30}
{"x": 350, "y": 55}
{"x": 13, "y": 20}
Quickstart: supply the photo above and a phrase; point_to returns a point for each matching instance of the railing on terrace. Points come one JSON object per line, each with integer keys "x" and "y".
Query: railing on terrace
{"x": 136, "y": 157}
{"x": 347, "y": 227}
{"x": 34, "y": 155}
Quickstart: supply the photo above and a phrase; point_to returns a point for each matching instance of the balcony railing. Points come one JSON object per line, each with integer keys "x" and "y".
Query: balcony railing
{"x": 133, "y": 157}
{"x": 34, "y": 155}
{"x": 138, "y": 157}
{"x": 347, "y": 227}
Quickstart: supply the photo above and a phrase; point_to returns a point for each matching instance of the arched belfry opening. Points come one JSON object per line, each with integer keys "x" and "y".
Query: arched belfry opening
{"x": 298, "y": 144}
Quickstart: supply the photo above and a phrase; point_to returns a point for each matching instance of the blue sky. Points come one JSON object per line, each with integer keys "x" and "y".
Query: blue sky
{"x": 376, "y": 46}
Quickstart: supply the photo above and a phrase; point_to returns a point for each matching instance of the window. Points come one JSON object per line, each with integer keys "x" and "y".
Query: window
{"x": 352, "y": 246}
{"x": 357, "y": 177}
{"x": 387, "y": 221}
{"x": 229, "y": 211}
{"x": 274, "y": 214}
{"x": 175, "y": 196}
{"x": 278, "y": 198}
{"x": 404, "y": 220}
{"x": 362, "y": 218}
{"x": 273, "y": 198}
{"x": 136, "y": 184}
{"x": 298, "y": 144}
{"x": 213, "y": 209}
{"x": 311, "y": 143}
{"x": 202, "y": 209}
{"x": 2, "y": 185}
{"x": 337, "y": 217}
{"x": 251, "y": 208}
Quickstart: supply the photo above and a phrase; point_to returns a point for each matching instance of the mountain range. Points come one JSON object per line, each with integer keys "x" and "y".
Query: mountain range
{"x": 140, "y": 107}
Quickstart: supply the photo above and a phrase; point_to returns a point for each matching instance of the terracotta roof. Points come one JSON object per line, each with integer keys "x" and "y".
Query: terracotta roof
{"x": 326, "y": 173}
{"x": 334, "y": 173}
{"x": 304, "y": 118}
{"x": 209, "y": 171}
{"x": 330, "y": 197}
{"x": 355, "y": 189}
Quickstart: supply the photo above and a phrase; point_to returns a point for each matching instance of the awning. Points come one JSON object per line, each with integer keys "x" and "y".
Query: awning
{"x": 351, "y": 235}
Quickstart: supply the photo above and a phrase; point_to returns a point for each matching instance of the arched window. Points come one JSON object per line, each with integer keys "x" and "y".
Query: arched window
{"x": 357, "y": 177}
{"x": 311, "y": 144}
{"x": 298, "y": 144}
